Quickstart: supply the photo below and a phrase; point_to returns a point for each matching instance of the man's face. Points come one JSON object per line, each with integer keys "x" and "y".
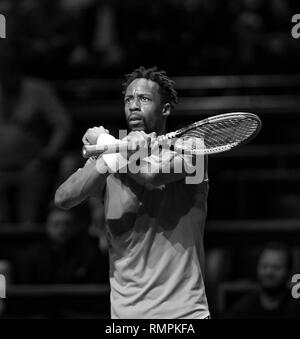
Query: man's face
{"x": 61, "y": 227}
{"x": 143, "y": 106}
{"x": 272, "y": 269}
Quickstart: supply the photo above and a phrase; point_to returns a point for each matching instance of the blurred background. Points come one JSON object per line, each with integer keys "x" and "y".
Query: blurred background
{"x": 61, "y": 69}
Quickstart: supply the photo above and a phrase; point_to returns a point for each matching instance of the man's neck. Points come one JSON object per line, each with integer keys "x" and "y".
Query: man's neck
{"x": 161, "y": 131}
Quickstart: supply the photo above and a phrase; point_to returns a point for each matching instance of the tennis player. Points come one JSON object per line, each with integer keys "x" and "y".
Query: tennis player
{"x": 155, "y": 219}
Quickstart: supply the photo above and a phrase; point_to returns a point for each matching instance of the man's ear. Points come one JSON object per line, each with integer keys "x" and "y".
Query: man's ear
{"x": 166, "y": 110}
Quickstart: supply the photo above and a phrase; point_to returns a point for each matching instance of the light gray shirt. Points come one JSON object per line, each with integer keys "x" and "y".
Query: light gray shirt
{"x": 156, "y": 248}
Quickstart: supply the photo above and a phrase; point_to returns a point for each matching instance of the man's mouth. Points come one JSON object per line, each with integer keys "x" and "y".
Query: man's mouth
{"x": 134, "y": 117}
{"x": 135, "y": 120}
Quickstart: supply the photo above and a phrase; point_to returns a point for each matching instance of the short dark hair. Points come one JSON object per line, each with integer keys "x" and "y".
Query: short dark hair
{"x": 166, "y": 85}
{"x": 277, "y": 246}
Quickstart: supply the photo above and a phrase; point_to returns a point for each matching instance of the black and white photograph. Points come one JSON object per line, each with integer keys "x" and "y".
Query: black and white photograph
{"x": 149, "y": 162}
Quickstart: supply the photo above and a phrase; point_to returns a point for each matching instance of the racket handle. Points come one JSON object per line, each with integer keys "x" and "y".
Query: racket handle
{"x": 95, "y": 150}
{"x": 117, "y": 147}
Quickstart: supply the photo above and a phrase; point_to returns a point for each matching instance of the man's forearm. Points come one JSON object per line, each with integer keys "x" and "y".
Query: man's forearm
{"x": 82, "y": 184}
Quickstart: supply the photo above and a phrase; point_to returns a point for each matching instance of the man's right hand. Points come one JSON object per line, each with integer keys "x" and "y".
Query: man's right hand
{"x": 91, "y": 135}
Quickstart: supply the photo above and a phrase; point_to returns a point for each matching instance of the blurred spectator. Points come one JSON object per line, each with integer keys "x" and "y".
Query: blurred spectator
{"x": 69, "y": 255}
{"x": 66, "y": 38}
{"x": 105, "y": 40}
{"x": 47, "y": 36}
{"x": 69, "y": 163}
{"x": 97, "y": 48}
{"x": 33, "y": 129}
{"x": 278, "y": 42}
{"x": 273, "y": 299}
{"x": 207, "y": 38}
{"x": 218, "y": 267}
{"x": 249, "y": 29}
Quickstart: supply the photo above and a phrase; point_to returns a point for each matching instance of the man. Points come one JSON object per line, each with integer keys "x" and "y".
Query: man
{"x": 155, "y": 220}
{"x": 273, "y": 299}
{"x": 68, "y": 255}
{"x": 34, "y": 127}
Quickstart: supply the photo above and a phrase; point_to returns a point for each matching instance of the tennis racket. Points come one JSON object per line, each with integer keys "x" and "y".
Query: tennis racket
{"x": 212, "y": 135}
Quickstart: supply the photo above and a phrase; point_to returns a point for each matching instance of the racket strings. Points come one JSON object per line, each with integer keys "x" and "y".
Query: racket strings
{"x": 220, "y": 134}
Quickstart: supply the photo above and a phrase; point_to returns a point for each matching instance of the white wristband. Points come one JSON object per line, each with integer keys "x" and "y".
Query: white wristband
{"x": 114, "y": 161}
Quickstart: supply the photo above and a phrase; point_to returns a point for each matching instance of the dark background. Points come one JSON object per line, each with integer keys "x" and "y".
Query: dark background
{"x": 225, "y": 56}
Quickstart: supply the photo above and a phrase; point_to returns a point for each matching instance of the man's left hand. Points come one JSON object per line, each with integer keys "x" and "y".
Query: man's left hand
{"x": 139, "y": 139}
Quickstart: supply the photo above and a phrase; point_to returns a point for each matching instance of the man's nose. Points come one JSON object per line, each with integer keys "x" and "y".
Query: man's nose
{"x": 135, "y": 105}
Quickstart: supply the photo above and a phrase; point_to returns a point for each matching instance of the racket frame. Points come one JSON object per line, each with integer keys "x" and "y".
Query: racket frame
{"x": 119, "y": 146}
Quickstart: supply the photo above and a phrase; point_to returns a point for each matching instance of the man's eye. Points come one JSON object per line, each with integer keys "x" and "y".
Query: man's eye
{"x": 145, "y": 99}
{"x": 127, "y": 100}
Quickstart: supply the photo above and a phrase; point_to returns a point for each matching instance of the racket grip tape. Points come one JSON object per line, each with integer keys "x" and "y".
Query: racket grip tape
{"x": 96, "y": 150}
